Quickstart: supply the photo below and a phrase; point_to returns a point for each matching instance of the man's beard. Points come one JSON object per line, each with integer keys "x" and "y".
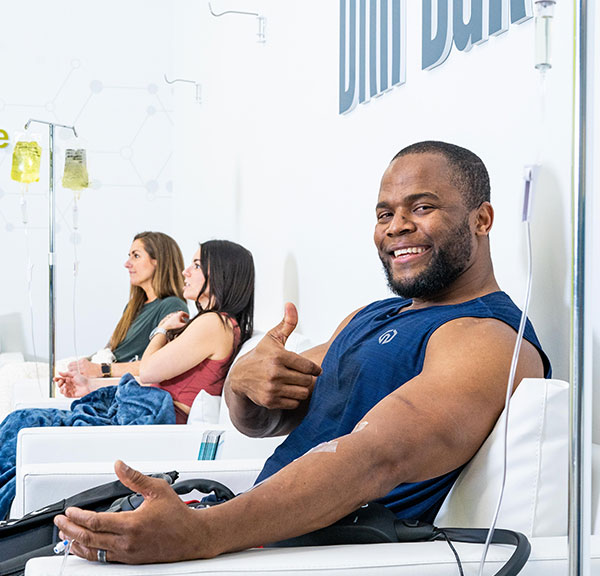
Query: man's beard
{"x": 447, "y": 263}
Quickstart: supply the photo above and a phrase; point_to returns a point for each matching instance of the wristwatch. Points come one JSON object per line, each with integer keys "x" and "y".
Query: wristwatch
{"x": 158, "y": 330}
{"x": 106, "y": 370}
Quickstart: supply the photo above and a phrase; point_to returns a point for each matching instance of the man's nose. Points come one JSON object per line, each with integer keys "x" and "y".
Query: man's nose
{"x": 401, "y": 224}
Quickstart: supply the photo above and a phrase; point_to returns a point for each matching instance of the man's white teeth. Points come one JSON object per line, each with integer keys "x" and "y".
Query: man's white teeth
{"x": 412, "y": 250}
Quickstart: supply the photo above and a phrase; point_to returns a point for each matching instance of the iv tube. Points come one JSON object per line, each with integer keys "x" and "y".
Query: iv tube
{"x": 75, "y": 239}
{"x": 75, "y": 177}
{"x": 25, "y": 169}
{"x": 544, "y": 14}
{"x": 543, "y": 38}
{"x": 29, "y": 281}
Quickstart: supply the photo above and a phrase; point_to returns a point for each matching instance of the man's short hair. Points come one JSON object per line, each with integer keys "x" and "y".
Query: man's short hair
{"x": 470, "y": 173}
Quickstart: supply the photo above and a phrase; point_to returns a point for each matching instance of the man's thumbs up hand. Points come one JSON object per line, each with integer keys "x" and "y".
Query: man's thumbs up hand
{"x": 271, "y": 376}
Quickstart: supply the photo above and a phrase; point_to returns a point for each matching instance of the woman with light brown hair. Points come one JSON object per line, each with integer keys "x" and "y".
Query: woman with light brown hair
{"x": 154, "y": 264}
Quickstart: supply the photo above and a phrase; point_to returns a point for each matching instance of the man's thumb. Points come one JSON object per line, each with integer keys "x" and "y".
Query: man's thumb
{"x": 135, "y": 480}
{"x": 282, "y": 331}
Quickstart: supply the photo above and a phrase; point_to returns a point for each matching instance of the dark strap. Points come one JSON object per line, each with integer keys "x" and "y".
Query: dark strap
{"x": 221, "y": 493}
{"x": 205, "y": 486}
{"x": 500, "y": 536}
{"x": 374, "y": 523}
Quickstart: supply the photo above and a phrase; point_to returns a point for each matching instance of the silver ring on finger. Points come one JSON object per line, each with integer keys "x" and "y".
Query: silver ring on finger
{"x": 102, "y": 556}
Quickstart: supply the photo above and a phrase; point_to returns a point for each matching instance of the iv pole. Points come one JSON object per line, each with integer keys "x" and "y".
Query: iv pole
{"x": 578, "y": 527}
{"x": 51, "y": 275}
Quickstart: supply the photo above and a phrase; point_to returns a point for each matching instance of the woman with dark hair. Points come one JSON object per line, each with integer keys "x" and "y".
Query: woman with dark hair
{"x": 184, "y": 357}
{"x": 154, "y": 265}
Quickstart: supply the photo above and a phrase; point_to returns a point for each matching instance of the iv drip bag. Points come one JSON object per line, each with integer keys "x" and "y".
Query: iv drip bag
{"x": 75, "y": 176}
{"x": 26, "y": 162}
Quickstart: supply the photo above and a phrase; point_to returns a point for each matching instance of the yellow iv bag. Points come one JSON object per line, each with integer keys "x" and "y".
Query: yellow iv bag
{"x": 75, "y": 176}
{"x": 26, "y": 162}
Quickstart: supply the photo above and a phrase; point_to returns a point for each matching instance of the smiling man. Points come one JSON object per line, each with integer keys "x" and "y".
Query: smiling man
{"x": 390, "y": 408}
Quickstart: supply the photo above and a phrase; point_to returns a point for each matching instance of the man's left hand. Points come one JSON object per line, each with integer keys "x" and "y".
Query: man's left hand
{"x": 162, "y": 529}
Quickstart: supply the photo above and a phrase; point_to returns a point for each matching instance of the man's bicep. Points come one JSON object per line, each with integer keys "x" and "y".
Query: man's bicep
{"x": 440, "y": 418}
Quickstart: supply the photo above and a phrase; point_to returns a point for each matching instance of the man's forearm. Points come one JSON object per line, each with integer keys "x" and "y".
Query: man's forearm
{"x": 310, "y": 493}
{"x": 251, "y": 419}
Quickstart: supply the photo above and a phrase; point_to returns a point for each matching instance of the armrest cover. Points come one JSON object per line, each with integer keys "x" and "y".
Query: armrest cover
{"x": 109, "y": 443}
{"x": 41, "y": 484}
{"x": 535, "y": 496}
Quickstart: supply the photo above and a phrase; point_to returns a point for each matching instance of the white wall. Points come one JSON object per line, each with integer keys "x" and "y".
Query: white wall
{"x": 272, "y": 164}
{"x": 265, "y": 159}
{"x": 98, "y": 65}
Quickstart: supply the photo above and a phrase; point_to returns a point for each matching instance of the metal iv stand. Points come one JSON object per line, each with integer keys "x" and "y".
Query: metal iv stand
{"x": 51, "y": 222}
{"x": 579, "y": 525}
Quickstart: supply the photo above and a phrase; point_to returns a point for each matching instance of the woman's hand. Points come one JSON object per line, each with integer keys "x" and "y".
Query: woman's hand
{"x": 86, "y": 368}
{"x": 72, "y": 384}
{"x": 174, "y": 320}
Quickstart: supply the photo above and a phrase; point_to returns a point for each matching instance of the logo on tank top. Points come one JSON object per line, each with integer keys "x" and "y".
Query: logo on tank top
{"x": 388, "y": 336}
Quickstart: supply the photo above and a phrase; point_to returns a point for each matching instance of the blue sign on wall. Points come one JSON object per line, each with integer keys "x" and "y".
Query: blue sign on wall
{"x": 373, "y": 57}
{"x": 373, "y": 39}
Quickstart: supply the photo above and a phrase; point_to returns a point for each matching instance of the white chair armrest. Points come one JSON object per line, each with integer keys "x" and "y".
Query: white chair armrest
{"x": 19, "y": 380}
{"x": 41, "y": 484}
{"x": 61, "y": 403}
{"x": 106, "y": 443}
{"x": 549, "y": 557}
{"x": 11, "y": 358}
{"x": 79, "y": 450}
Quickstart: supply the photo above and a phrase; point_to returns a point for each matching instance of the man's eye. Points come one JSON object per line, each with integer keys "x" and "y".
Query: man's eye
{"x": 383, "y": 216}
{"x": 423, "y": 208}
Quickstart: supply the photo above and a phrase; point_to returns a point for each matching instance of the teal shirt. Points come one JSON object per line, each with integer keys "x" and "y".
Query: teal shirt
{"x": 150, "y": 315}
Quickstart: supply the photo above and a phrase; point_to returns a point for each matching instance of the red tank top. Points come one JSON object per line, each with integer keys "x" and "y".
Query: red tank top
{"x": 209, "y": 375}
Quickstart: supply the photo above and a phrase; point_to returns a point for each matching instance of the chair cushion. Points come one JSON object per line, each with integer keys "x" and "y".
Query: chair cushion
{"x": 536, "y": 493}
{"x": 205, "y": 409}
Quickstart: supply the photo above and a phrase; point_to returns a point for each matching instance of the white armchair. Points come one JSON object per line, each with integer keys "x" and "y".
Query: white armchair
{"x": 56, "y": 462}
{"x": 53, "y": 463}
{"x": 535, "y": 503}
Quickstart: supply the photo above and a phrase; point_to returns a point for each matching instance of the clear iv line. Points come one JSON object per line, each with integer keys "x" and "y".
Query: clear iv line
{"x": 541, "y": 135}
{"x": 509, "y": 391}
{"x": 29, "y": 280}
{"x": 75, "y": 274}
{"x": 67, "y": 551}
{"x": 527, "y": 217}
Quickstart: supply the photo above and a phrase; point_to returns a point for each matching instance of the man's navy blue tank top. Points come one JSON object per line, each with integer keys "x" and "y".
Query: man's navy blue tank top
{"x": 376, "y": 353}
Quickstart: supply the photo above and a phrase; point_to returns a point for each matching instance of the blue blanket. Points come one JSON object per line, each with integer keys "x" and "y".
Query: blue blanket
{"x": 128, "y": 403}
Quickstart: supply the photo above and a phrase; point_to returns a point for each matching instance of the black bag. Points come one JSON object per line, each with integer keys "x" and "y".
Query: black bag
{"x": 35, "y": 535}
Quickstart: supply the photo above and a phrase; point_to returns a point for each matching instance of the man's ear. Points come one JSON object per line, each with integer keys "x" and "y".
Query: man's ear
{"x": 484, "y": 215}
